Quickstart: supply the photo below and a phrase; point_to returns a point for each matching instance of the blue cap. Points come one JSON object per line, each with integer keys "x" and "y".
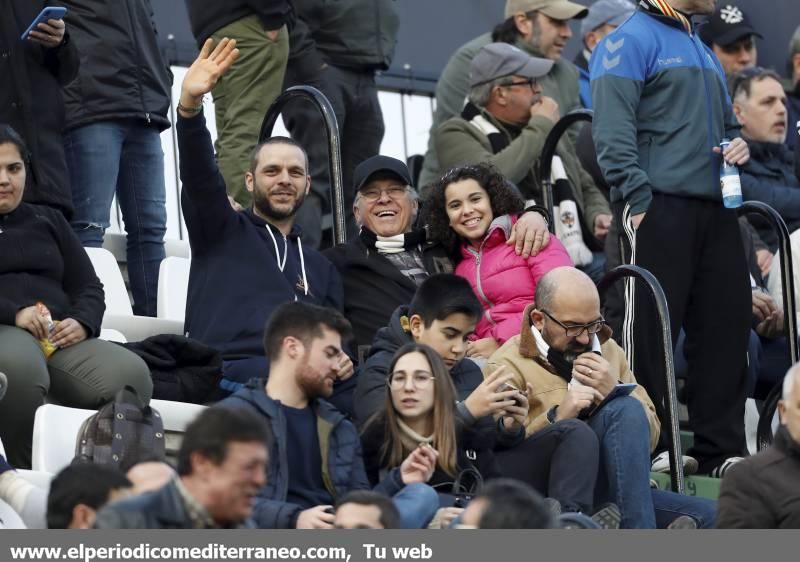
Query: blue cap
{"x": 611, "y": 12}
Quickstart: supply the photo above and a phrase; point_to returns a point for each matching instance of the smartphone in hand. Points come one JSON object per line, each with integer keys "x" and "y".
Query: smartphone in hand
{"x": 48, "y": 13}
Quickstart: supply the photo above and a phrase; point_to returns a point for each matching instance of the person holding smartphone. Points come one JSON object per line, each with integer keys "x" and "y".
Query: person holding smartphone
{"x": 566, "y": 354}
{"x": 43, "y": 63}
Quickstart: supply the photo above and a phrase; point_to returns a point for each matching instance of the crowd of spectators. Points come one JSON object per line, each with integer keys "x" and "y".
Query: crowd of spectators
{"x": 451, "y": 364}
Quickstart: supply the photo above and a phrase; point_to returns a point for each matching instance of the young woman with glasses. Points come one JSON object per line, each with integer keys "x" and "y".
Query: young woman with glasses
{"x": 420, "y": 412}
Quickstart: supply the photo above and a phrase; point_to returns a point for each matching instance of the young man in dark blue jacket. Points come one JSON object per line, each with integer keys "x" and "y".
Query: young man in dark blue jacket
{"x": 315, "y": 457}
{"x": 244, "y": 264}
{"x": 661, "y": 111}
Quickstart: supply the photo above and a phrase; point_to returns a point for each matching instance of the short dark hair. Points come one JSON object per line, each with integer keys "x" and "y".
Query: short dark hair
{"x": 303, "y": 321}
{"x": 274, "y": 140}
{"x": 442, "y": 295}
{"x": 214, "y": 429}
{"x": 504, "y": 198}
{"x": 742, "y": 81}
{"x": 506, "y": 31}
{"x": 513, "y": 505}
{"x": 81, "y": 483}
{"x": 390, "y": 516}
{"x": 8, "y": 135}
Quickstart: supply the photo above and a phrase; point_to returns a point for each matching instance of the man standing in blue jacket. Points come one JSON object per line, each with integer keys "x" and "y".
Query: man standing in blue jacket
{"x": 661, "y": 110}
{"x": 315, "y": 457}
{"x": 246, "y": 263}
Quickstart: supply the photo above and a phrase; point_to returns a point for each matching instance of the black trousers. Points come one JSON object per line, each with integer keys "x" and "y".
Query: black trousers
{"x": 354, "y": 98}
{"x": 559, "y": 461}
{"x": 694, "y": 249}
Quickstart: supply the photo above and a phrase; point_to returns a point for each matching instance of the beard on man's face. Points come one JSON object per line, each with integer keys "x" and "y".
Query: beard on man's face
{"x": 263, "y": 205}
{"x": 574, "y": 348}
{"x": 314, "y": 383}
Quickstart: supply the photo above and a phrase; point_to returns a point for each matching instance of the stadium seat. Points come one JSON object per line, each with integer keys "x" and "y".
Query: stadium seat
{"x": 38, "y": 478}
{"x": 55, "y": 429}
{"x": 119, "y": 314}
{"x": 176, "y": 416}
{"x": 173, "y": 280}
{"x": 113, "y": 335}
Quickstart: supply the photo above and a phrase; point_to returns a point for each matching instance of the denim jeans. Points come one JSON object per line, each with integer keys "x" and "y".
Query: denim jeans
{"x": 417, "y": 504}
{"x": 624, "y": 473}
{"x": 122, "y": 157}
{"x": 669, "y": 506}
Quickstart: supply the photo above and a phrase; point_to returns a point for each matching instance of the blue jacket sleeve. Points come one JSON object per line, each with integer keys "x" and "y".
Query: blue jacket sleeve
{"x": 273, "y": 514}
{"x": 783, "y": 198}
{"x": 205, "y": 201}
{"x": 618, "y": 72}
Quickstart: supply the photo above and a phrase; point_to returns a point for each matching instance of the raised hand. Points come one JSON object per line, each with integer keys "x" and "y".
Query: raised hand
{"x": 209, "y": 66}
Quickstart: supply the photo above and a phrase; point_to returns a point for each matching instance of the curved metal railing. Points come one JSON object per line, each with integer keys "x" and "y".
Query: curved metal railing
{"x": 334, "y": 147}
{"x": 549, "y": 150}
{"x": 673, "y": 434}
{"x": 764, "y": 431}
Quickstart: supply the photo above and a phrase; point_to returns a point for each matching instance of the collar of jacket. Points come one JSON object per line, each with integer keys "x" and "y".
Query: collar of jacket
{"x": 170, "y": 508}
{"x": 785, "y": 443}
{"x": 650, "y": 10}
{"x": 769, "y": 157}
{"x": 527, "y": 343}
{"x": 498, "y": 232}
{"x": 295, "y": 231}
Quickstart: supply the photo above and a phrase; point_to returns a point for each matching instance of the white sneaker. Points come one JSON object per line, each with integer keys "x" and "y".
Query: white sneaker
{"x": 719, "y": 471}
{"x": 661, "y": 463}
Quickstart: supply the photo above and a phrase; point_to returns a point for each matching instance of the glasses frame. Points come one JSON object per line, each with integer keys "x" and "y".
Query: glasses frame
{"x": 583, "y": 327}
{"x": 391, "y": 377}
{"x": 530, "y": 82}
{"x": 363, "y": 195}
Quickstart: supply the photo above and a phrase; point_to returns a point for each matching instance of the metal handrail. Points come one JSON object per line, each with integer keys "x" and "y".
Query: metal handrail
{"x": 764, "y": 431}
{"x": 549, "y": 150}
{"x": 677, "y": 479}
{"x": 334, "y": 147}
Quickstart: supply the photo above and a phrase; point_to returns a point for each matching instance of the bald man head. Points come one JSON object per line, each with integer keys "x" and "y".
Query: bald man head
{"x": 566, "y": 297}
{"x": 789, "y": 405}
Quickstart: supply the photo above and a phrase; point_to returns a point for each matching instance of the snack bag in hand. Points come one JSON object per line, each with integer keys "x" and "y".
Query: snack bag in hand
{"x": 47, "y": 346}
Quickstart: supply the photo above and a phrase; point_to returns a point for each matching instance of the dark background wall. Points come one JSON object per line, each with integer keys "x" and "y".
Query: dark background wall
{"x": 432, "y": 29}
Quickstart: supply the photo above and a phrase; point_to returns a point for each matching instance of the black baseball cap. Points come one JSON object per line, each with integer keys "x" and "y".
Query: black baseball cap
{"x": 727, "y": 25}
{"x": 372, "y": 166}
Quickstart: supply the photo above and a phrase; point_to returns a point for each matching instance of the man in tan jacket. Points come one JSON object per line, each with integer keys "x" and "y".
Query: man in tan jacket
{"x": 566, "y": 353}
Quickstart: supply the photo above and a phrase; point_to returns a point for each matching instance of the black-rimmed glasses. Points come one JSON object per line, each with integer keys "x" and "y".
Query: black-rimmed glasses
{"x": 575, "y": 330}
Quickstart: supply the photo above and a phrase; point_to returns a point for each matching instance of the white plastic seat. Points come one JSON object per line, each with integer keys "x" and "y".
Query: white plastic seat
{"x": 173, "y": 281}
{"x": 113, "y": 335}
{"x": 119, "y": 313}
{"x": 55, "y": 429}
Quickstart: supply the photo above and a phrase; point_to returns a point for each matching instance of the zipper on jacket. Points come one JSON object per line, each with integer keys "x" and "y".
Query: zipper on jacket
{"x": 138, "y": 68}
{"x": 482, "y": 294}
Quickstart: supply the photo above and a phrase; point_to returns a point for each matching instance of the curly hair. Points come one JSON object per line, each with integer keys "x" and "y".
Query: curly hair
{"x": 504, "y": 199}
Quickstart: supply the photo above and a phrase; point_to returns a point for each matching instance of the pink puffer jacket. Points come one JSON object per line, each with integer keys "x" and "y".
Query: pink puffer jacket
{"x": 504, "y": 282}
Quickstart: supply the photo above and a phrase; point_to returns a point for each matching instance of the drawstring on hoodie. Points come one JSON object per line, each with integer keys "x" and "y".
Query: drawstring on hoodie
{"x": 282, "y": 264}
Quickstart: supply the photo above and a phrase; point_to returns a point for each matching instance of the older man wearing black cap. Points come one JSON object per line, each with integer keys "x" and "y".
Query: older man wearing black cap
{"x": 382, "y": 267}
{"x": 732, "y": 37}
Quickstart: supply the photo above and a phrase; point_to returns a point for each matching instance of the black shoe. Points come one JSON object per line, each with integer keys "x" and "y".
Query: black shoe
{"x": 608, "y": 516}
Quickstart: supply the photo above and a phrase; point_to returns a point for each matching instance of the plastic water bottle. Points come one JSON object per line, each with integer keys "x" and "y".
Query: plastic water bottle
{"x": 729, "y": 181}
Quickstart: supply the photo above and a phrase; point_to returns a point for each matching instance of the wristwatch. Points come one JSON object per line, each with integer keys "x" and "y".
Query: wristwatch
{"x": 551, "y": 414}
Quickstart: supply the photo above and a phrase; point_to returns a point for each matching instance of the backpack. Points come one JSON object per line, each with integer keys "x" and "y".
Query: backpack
{"x": 121, "y": 433}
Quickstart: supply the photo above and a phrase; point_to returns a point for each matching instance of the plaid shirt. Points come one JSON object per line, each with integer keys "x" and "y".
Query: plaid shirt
{"x": 197, "y": 513}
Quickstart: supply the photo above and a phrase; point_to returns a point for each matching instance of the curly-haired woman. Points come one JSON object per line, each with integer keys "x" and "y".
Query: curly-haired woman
{"x": 470, "y": 211}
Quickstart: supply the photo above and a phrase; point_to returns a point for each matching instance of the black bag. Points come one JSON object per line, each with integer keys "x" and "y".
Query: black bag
{"x": 465, "y": 487}
{"x": 121, "y": 433}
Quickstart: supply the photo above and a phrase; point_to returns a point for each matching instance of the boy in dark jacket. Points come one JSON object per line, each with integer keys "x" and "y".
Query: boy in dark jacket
{"x": 443, "y": 315}
{"x": 324, "y": 461}
{"x": 244, "y": 264}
